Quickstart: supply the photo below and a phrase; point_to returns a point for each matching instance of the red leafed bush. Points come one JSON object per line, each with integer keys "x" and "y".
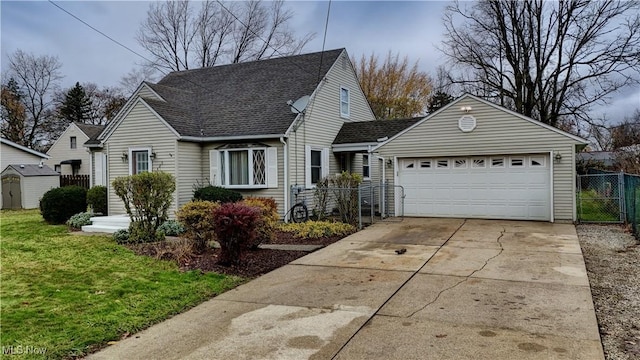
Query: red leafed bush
{"x": 235, "y": 228}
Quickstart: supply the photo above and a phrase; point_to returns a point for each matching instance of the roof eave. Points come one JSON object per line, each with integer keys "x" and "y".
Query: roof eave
{"x": 202, "y": 139}
{"x": 353, "y": 147}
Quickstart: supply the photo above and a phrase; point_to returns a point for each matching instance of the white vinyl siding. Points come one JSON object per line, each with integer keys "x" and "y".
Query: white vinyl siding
{"x": 158, "y": 137}
{"x": 12, "y": 156}
{"x": 497, "y": 132}
{"x": 189, "y": 169}
{"x": 322, "y": 120}
{"x": 62, "y": 150}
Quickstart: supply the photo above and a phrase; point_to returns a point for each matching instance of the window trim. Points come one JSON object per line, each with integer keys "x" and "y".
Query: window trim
{"x": 224, "y": 166}
{"x": 366, "y": 165}
{"x": 348, "y": 102}
{"x": 136, "y": 149}
{"x": 324, "y": 163}
{"x": 73, "y": 142}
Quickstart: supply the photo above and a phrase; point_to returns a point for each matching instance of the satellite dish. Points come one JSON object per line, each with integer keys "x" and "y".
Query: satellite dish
{"x": 299, "y": 105}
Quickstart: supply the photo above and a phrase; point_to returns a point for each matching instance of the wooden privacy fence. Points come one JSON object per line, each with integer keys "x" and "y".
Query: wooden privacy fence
{"x": 80, "y": 180}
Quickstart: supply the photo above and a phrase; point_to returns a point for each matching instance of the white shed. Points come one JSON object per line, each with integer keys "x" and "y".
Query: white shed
{"x": 24, "y": 185}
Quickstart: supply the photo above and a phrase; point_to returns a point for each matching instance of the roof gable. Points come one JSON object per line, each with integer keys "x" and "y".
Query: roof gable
{"x": 466, "y": 98}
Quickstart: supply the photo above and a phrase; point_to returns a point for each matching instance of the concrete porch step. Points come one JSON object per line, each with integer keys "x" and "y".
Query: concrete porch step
{"x": 107, "y": 224}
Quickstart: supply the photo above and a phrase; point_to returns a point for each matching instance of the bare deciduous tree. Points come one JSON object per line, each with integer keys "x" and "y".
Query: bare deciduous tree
{"x": 131, "y": 80}
{"x": 179, "y": 38}
{"x": 36, "y": 77}
{"x": 394, "y": 89}
{"x": 548, "y": 60}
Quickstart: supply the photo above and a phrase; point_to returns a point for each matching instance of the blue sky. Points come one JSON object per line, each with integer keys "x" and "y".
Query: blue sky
{"x": 412, "y": 28}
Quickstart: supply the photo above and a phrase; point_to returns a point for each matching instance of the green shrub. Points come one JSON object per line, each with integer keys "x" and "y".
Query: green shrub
{"x": 121, "y": 236}
{"x": 345, "y": 189}
{"x": 79, "y": 220}
{"x": 147, "y": 197}
{"x": 197, "y": 219}
{"x": 59, "y": 204}
{"x": 217, "y": 194}
{"x": 171, "y": 228}
{"x": 269, "y": 218}
{"x": 316, "y": 229}
{"x": 97, "y": 199}
{"x": 235, "y": 227}
{"x": 321, "y": 198}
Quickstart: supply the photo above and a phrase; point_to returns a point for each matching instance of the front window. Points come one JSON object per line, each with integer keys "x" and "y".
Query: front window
{"x": 140, "y": 160}
{"x": 74, "y": 142}
{"x": 243, "y": 167}
{"x": 344, "y": 102}
{"x": 365, "y": 166}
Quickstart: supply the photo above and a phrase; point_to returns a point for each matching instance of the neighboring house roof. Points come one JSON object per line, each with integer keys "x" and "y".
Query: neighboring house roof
{"x": 372, "y": 131}
{"x": 92, "y": 131}
{"x": 33, "y": 170}
{"x": 239, "y": 99}
{"x": 23, "y": 148}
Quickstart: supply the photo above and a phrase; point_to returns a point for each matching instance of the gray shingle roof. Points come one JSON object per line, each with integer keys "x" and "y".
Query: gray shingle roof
{"x": 239, "y": 99}
{"x": 371, "y": 131}
{"x": 92, "y": 131}
{"x": 33, "y": 170}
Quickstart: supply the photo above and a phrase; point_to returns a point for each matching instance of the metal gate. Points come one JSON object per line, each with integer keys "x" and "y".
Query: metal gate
{"x": 601, "y": 198}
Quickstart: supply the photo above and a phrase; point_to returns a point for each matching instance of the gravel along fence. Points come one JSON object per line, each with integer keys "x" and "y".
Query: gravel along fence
{"x": 612, "y": 257}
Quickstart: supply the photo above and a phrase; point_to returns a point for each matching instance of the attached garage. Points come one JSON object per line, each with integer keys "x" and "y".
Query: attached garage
{"x": 500, "y": 186}
{"x": 474, "y": 159}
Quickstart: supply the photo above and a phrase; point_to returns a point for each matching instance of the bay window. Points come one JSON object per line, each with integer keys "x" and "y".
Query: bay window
{"x": 244, "y": 167}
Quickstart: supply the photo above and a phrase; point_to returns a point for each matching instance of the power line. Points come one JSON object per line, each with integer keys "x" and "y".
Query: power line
{"x": 98, "y": 31}
{"x": 324, "y": 40}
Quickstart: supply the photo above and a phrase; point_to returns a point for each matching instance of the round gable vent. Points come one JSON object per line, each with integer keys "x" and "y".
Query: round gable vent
{"x": 467, "y": 123}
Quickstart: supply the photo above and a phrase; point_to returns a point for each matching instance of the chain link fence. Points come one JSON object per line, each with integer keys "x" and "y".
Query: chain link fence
{"x": 632, "y": 202}
{"x": 608, "y": 197}
{"x": 358, "y": 206}
{"x": 601, "y": 198}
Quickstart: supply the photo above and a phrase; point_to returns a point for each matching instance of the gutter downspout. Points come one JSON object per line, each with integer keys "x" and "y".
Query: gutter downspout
{"x": 286, "y": 177}
{"x": 382, "y": 186}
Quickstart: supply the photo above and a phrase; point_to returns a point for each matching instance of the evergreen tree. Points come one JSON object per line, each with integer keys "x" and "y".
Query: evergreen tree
{"x": 438, "y": 100}
{"x": 76, "y": 106}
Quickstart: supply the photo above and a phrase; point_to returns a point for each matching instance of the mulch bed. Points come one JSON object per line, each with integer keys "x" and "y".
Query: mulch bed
{"x": 253, "y": 263}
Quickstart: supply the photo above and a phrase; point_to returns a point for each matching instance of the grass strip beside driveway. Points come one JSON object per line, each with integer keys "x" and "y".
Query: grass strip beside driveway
{"x": 70, "y": 294}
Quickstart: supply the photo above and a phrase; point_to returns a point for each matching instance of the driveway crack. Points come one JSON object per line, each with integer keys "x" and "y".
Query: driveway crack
{"x": 498, "y": 240}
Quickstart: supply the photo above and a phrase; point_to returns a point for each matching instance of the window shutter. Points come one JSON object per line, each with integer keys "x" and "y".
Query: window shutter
{"x": 214, "y": 167}
{"x": 272, "y": 167}
{"x": 97, "y": 165}
{"x": 325, "y": 162}
{"x": 307, "y": 166}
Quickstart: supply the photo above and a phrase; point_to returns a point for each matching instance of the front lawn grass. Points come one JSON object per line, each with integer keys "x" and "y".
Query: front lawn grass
{"x": 71, "y": 294}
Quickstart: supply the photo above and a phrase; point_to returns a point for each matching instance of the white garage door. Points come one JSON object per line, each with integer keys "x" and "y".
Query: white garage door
{"x": 492, "y": 187}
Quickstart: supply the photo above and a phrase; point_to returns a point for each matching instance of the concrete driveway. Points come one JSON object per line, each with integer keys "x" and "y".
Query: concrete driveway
{"x": 461, "y": 289}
